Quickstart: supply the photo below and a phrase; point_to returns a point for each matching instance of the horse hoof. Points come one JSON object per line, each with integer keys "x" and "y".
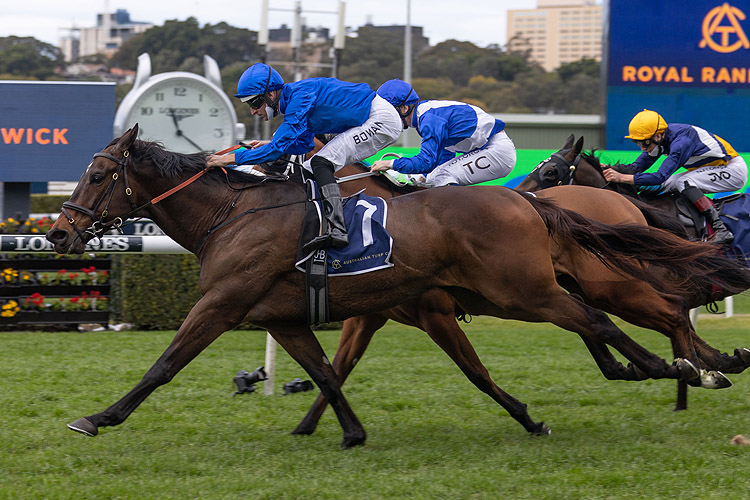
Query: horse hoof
{"x": 714, "y": 380}
{"x": 84, "y": 426}
{"x": 541, "y": 430}
{"x": 687, "y": 370}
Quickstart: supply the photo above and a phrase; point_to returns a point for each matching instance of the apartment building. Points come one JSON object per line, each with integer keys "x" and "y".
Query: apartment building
{"x": 557, "y": 31}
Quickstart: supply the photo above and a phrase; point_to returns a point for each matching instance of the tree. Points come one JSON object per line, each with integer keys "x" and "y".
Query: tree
{"x": 27, "y": 56}
{"x": 373, "y": 57}
{"x": 178, "y": 44}
{"x": 586, "y": 66}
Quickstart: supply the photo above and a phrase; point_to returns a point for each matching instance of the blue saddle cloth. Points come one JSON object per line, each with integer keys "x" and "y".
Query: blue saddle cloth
{"x": 735, "y": 212}
{"x": 370, "y": 245}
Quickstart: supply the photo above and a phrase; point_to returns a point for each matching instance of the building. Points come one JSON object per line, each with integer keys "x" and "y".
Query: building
{"x": 110, "y": 32}
{"x": 557, "y": 32}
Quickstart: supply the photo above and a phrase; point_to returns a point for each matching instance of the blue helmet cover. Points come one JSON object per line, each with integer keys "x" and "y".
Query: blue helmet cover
{"x": 398, "y": 93}
{"x": 258, "y": 79}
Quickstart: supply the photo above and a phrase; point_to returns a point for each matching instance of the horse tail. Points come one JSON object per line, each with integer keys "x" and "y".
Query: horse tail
{"x": 658, "y": 217}
{"x": 691, "y": 265}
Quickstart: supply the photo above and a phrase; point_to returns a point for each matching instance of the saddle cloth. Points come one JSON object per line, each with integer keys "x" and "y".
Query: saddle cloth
{"x": 735, "y": 212}
{"x": 370, "y": 245}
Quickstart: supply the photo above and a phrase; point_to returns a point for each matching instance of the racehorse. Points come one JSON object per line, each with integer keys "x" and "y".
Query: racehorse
{"x": 572, "y": 166}
{"x": 441, "y": 241}
{"x": 435, "y": 311}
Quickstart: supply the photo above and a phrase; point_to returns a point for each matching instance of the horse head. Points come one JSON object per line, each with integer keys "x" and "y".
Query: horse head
{"x": 556, "y": 170}
{"x": 119, "y": 183}
{"x": 87, "y": 213}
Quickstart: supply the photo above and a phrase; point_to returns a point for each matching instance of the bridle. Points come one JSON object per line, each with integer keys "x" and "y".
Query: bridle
{"x": 565, "y": 171}
{"x": 101, "y": 226}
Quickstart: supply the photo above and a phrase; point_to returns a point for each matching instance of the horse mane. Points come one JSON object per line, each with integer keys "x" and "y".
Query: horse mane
{"x": 171, "y": 165}
{"x": 655, "y": 217}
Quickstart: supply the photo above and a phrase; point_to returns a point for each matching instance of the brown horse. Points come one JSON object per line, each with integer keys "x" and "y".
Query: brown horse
{"x": 576, "y": 270}
{"x": 441, "y": 241}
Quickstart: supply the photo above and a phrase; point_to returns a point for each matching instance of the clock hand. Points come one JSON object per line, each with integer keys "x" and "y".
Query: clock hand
{"x": 179, "y": 132}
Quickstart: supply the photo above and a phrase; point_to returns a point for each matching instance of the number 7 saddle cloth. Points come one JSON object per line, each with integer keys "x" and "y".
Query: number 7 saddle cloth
{"x": 370, "y": 245}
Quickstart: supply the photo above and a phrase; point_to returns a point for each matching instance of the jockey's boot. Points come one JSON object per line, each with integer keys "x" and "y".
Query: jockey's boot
{"x": 335, "y": 234}
{"x": 722, "y": 235}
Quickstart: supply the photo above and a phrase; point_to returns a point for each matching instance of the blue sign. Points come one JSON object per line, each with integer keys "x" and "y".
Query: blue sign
{"x": 49, "y": 131}
{"x": 689, "y": 61}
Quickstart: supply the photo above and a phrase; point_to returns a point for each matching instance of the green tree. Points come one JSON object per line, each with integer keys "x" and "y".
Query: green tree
{"x": 181, "y": 45}
{"x": 373, "y": 57}
{"x": 585, "y": 66}
{"x": 29, "y": 57}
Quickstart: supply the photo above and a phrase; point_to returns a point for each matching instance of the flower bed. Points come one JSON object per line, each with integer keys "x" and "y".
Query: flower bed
{"x": 50, "y": 289}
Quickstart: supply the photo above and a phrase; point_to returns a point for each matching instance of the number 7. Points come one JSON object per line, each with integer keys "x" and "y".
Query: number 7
{"x": 370, "y": 209}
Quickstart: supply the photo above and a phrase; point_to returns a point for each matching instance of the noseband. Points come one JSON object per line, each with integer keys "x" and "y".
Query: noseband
{"x": 565, "y": 171}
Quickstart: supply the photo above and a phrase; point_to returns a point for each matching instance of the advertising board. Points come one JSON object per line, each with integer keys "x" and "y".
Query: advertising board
{"x": 50, "y": 130}
{"x": 689, "y": 61}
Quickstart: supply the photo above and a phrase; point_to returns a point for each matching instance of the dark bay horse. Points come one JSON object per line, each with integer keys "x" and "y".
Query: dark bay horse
{"x": 442, "y": 239}
{"x": 573, "y": 166}
{"x": 577, "y": 271}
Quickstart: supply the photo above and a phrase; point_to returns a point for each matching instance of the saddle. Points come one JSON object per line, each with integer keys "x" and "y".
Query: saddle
{"x": 690, "y": 216}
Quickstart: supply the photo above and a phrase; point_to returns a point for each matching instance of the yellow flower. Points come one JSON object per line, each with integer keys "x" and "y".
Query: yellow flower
{"x": 11, "y": 220}
{"x": 34, "y": 230}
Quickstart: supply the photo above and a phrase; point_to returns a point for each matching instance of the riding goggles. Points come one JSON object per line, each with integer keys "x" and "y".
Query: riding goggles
{"x": 643, "y": 143}
{"x": 254, "y": 101}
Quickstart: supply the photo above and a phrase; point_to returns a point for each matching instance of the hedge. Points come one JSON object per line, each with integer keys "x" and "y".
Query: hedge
{"x": 154, "y": 292}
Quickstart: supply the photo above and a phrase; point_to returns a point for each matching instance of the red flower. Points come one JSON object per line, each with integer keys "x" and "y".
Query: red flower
{"x": 75, "y": 299}
{"x": 61, "y": 272}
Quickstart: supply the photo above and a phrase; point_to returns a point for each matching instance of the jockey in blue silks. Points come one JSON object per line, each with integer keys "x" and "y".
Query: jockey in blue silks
{"x": 449, "y": 127}
{"x": 365, "y": 123}
{"x": 711, "y": 165}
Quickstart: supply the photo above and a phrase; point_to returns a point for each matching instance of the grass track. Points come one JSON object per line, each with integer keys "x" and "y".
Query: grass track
{"x": 431, "y": 434}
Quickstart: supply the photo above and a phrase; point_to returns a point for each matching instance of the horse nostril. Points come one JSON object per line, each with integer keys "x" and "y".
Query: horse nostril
{"x": 57, "y": 236}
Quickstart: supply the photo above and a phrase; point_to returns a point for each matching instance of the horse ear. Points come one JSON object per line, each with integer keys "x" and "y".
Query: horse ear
{"x": 128, "y": 138}
{"x": 569, "y": 142}
{"x": 579, "y": 147}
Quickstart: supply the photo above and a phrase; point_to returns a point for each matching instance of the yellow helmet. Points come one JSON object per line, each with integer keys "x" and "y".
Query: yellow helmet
{"x": 646, "y": 124}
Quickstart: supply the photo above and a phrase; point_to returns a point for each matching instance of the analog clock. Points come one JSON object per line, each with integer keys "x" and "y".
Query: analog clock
{"x": 184, "y": 111}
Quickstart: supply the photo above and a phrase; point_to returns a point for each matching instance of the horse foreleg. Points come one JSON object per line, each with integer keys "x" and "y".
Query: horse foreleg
{"x": 206, "y": 321}
{"x": 304, "y": 348}
{"x": 355, "y": 337}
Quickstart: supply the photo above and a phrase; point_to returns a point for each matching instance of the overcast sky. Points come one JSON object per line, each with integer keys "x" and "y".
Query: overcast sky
{"x": 482, "y": 22}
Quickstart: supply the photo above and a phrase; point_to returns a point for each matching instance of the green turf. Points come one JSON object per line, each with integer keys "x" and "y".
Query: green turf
{"x": 431, "y": 434}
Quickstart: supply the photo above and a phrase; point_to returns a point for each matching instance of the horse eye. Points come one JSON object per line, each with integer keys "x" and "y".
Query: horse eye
{"x": 96, "y": 178}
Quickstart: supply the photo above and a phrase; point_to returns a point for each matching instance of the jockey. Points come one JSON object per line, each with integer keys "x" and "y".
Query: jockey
{"x": 364, "y": 122}
{"x": 447, "y": 128}
{"x": 712, "y": 165}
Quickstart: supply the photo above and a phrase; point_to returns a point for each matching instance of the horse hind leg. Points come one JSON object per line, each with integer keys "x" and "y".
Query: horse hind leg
{"x": 304, "y": 348}
{"x": 445, "y": 332}
{"x": 355, "y": 337}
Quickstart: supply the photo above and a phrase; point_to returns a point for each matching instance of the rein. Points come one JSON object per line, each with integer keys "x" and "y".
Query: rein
{"x": 100, "y": 226}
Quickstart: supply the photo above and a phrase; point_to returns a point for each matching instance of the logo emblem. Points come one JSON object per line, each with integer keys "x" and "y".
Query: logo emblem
{"x": 722, "y": 31}
{"x": 336, "y": 264}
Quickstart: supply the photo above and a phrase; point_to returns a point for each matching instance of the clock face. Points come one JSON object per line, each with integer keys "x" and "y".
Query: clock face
{"x": 186, "y": 115}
